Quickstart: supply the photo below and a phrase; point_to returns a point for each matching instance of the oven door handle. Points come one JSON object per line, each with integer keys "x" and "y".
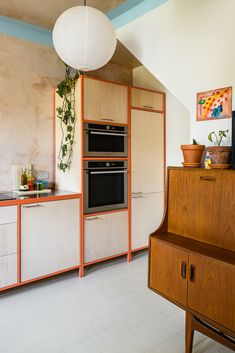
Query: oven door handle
{"x": 107, "y": 133}
{"x": 110, "y": 172}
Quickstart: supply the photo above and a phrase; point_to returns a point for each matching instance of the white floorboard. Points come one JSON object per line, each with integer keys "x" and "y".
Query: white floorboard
{"x": 110, "y": 310}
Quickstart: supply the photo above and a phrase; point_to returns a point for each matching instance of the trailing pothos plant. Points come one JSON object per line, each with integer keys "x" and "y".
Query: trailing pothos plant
{"x": 67, "y": 115}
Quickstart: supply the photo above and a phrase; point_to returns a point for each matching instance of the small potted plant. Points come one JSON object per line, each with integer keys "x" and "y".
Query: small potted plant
{"x": 220, "y": 155}
{"x": 192, "y": 154}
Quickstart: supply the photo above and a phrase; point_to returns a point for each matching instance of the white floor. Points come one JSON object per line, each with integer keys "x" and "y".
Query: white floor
{"x": 111, "y": 310}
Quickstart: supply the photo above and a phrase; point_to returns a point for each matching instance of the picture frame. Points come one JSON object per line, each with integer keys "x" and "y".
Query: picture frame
{"x": 214, "y": 104}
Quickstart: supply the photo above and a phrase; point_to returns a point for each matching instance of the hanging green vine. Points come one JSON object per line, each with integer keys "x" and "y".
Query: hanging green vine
{"x": 67, "y": 115}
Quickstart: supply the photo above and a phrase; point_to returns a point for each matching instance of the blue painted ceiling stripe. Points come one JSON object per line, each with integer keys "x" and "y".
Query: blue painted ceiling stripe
{"x": 125, "y": 6}
{"x": 120, "y": 16}
{"x": 140, "y": 9}
{"x": 22, "y": 30}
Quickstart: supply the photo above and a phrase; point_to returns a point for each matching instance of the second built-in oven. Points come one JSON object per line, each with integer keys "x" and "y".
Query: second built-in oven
{"x": 105, "y": 185}
{"x": 105, "y": 140}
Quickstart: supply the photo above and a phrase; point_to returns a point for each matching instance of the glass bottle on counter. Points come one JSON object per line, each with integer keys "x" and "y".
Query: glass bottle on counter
{"x": 24, "y": 178}
{"x": 30, "y": 180}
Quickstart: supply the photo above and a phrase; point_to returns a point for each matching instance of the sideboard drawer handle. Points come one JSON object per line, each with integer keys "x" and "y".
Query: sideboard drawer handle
{"x": 207, "y": 178}
{"x": 192, "y": 273}
{"x": 183, "y": 269}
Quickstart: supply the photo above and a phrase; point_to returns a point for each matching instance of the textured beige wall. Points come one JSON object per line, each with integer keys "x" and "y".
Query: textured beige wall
{"x": 28, "y": 73}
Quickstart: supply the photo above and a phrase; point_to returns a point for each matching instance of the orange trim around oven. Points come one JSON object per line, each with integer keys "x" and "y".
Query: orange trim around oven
{"x": 81, "y": 271}
{"x": 105, "y": 259}
{"x": 105, "y": 159}
{"x": 104, "y": 212}
{"x": 103, "y": 122}
{"x": 129, "y": 257}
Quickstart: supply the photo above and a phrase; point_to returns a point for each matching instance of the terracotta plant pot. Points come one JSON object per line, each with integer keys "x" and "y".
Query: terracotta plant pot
{"x": 220, "y": 155}
{"x": 192, "y": 155}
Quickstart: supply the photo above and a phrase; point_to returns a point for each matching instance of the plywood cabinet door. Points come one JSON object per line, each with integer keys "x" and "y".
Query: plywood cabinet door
{"x": 168, "y": 271}
{"x": 105, "y": 235}
{"x": 147, "y": 151}
{"x": 105, "y": 102}
{"x": 146, "y": 214}
{"x": 49, "y": 237}
{"x": 211, "y": 290}
{"x": 144, "y": 99}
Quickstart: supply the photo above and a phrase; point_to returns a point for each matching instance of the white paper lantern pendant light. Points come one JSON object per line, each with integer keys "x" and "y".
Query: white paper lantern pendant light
{"x": 84, "y": 38}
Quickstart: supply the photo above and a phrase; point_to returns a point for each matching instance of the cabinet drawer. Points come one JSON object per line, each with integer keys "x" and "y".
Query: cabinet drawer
{"x": 8, "y": 270}
{"x": 8, "y": 214}
{"x": 8, "y": 239}
{"x": 106, "y": 235}
{"x": 146, "y": 99}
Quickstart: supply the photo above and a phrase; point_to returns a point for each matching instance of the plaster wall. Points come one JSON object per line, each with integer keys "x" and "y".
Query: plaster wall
{"x": 28, "y": 74}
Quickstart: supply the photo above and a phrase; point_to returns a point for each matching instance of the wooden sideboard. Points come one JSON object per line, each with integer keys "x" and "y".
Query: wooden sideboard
{"x": 192, "y": 254}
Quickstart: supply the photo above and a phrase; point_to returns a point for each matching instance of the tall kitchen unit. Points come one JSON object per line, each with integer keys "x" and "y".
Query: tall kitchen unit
{"x": 117, "y": 165}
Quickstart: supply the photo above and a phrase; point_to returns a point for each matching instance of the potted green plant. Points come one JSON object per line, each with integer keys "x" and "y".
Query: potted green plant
{"x": 220, "y": 155}
{"x": 192, "y": 154}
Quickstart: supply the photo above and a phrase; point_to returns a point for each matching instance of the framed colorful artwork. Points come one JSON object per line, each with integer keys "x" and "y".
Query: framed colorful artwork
{"x": 214, "y": 104}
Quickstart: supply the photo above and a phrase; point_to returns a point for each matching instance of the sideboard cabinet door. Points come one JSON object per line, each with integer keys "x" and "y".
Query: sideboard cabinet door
{"x": 168, "y": 271}
{"x": 211, "y": 290}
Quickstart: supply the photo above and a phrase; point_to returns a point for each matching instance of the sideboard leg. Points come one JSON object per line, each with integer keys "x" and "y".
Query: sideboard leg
{"x": 189, "y": 333}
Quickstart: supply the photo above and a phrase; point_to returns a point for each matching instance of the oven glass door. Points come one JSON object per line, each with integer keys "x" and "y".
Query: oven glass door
{"x": 106, "y": 142}
{"x": 106, "y": 190}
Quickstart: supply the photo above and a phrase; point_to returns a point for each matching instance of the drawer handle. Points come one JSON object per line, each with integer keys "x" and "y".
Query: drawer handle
{"x": 106, "y": 119}
{"x": 137, "y": 196}
{"x": 183, "y": 269}
{"x": 33, "y": 206}
{"x": 148, "y": 106}
{"x": 192, "y": 273}
{"x": 91, "y": 219}
{"x": 207, "y": 178}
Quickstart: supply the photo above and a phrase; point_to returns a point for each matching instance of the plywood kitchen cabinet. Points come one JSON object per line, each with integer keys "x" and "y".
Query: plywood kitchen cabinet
{"x": 105, "y": 235}
{"x": 8, "y": 246}
{"x": 105, "y": 101}
{"x": 146, "y": 214}
{"x": 50, "y": 237}
{"x": 147, "y": 174}
{"x": 145, "y": 99}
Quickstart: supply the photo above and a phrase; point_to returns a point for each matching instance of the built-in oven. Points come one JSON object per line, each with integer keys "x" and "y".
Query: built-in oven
{"x": 105, "y": 140}
{"x": 105, "y": 185}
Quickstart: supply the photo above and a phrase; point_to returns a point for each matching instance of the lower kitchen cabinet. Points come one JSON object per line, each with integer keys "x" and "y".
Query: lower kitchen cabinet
{"x": 105, "y": 235}
{"x": 8, "y": 270}
{"x": 147, "y": 213}
{"x": 8, "y": 246}
{"x": 50, "y": 237}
